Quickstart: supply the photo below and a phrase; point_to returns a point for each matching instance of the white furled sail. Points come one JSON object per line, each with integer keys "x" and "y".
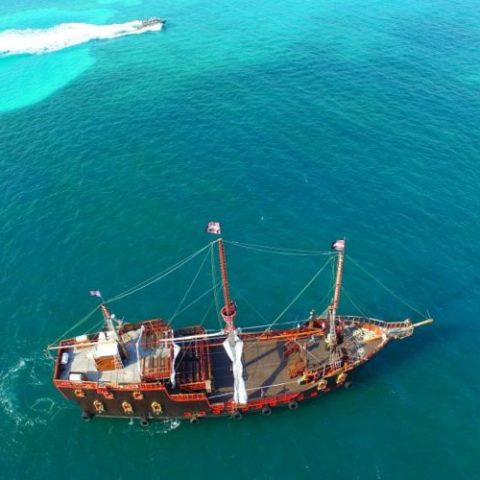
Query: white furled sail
{"x": 233, "y": 345}
{"x": 176, "y": 351}
{"x": 137, "y": 348}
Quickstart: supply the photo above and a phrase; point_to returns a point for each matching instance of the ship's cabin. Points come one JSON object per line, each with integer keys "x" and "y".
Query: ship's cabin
{"x": 148, "y": 352}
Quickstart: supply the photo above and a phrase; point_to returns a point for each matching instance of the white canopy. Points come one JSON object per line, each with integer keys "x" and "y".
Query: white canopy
{"x": 176, "y": 351}
{"x": 233, "y": 345}
{"x": 106, "y": 346}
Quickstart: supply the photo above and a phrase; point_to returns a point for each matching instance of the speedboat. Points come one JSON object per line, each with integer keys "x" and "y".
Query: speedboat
{"x": 152, "y": 21}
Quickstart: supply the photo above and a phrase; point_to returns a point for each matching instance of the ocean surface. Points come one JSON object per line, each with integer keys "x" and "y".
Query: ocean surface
{"x": 294, "y": 123}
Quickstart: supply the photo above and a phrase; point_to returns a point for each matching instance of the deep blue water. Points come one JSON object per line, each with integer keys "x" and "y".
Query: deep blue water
{"x": 295, "y": 123}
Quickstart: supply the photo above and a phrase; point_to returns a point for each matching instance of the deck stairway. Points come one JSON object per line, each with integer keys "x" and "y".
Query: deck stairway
{"x": 193, "y": 364}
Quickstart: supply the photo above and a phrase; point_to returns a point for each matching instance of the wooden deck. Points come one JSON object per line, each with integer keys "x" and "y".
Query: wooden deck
{"x": 275, "y": 367}
{"x": 270, "y": 367}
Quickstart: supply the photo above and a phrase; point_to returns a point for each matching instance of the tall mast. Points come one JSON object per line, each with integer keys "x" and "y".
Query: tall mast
{"x": 110, "y": 327}
{"x": 338, "y": 280}
{"x": 107, "y": 317}
{"x": 339, "y": 246}
{"x": 228, "y": 311}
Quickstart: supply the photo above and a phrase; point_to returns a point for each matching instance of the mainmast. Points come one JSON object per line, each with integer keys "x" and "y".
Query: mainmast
{"x": 233, "y": 344}
{"x": 339, "y": 246}
{"x": 229, "y": 310}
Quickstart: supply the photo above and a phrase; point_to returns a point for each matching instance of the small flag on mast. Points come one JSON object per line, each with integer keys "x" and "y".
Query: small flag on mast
{"x": 338, "y": 245}
{"x": 214, "y": 227}
{"x": 95, "y": 293}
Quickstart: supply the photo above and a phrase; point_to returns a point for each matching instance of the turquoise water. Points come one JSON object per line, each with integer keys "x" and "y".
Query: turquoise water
{"x": 295, "y": 123}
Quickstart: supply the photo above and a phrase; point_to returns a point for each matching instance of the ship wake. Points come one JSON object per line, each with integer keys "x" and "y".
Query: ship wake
{"x": 26, "y": 410}
{"x": 156, "y": 427}
{"x": 39, "y": 41}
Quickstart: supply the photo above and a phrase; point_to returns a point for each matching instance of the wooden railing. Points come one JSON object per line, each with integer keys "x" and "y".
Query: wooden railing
{"x": 392, "y": 329}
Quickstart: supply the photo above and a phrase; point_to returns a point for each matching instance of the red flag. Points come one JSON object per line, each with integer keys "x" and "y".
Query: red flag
{"x": 338, "y": 245}
{"x": 214, "y": 227}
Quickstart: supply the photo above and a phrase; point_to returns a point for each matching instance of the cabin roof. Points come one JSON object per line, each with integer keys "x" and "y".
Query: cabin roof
{"x": 81, "y": 359}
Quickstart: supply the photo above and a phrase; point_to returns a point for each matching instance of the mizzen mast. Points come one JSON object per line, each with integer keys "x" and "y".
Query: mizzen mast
{"x": 110, "y": 349}
{"x": 339, "y": 246}
{"x": 108, "y": 319}
{"x": 110, "y": 327}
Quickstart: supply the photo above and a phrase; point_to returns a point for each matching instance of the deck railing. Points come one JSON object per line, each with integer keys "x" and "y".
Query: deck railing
{"x": 395, "y": 330}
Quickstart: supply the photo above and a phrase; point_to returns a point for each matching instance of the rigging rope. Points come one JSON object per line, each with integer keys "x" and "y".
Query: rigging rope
{"x": 238, "y": 294}
{"x": 254, "y": 327}
{"x": 80, "y": 322}
{"x": 328, "y": 295}
{"x": 158, "y": 276}
{"x": 400, "y": 299}
{"x": 189, "y": 288}
{"x": 353, "y": 303}
{"x": 138, "y": 287}
{"x": 215, "y": 282}
{"x": 278, "y": 250}
{"x": 185, "y": 349}
{"x": 198, "y": 299}
{"x": 280, "y": 315}
{"x": 207, "y": 312}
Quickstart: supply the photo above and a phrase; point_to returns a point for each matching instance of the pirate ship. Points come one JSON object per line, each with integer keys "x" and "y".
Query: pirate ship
{"x": 151, "y": 370}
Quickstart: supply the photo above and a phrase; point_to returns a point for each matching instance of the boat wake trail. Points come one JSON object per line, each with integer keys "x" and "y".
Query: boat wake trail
{"x": 159, "y": 427}
{"x": 37, "y": 41}
{"x": 26, "y": 411}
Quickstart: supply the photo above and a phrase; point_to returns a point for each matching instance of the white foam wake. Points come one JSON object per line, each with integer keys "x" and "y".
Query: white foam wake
{"x": 38, "y": 41}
